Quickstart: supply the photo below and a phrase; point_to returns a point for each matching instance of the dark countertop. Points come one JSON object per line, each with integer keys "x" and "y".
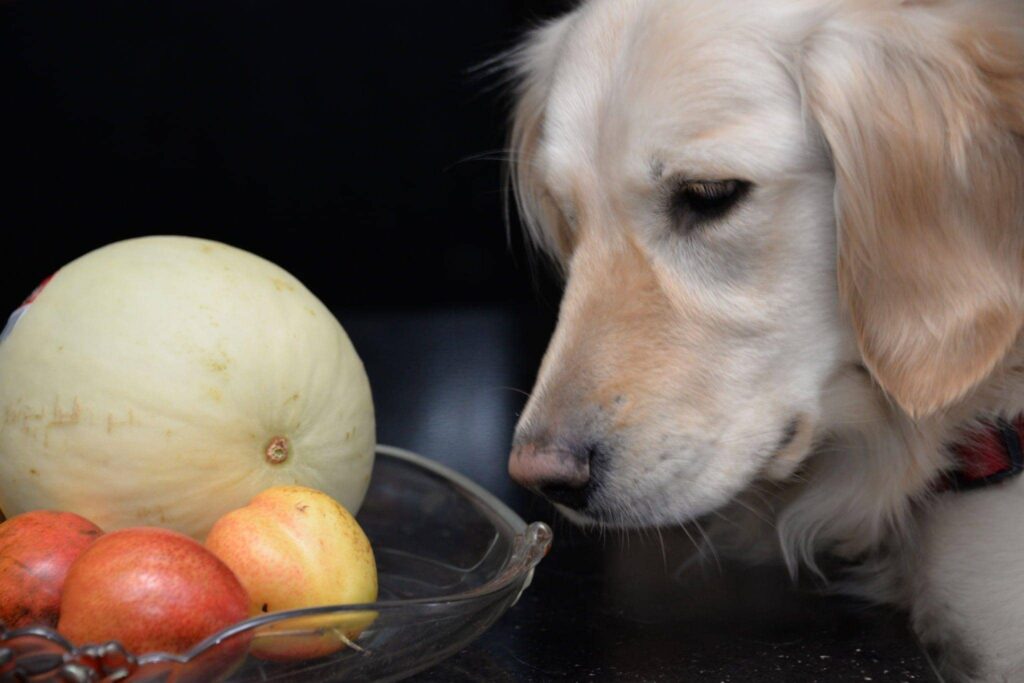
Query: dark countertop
{"x": 448, "y": 384}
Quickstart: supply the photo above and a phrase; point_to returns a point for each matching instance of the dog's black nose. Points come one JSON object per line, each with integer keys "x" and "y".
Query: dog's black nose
{"x": 560, "y": 475}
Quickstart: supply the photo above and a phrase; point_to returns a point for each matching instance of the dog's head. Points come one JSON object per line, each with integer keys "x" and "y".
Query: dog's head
{"x": 752, "y": 203}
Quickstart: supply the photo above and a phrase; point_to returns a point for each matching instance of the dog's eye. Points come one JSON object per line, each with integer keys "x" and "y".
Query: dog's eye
{"x": 695, "y": 202}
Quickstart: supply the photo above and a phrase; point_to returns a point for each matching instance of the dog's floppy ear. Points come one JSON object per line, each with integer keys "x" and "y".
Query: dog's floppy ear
{"x": 922, "y": 106}
{"x": 533, "y": 64}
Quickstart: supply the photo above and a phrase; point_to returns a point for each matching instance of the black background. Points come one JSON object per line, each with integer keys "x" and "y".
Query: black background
{"x": 358, "y": 145}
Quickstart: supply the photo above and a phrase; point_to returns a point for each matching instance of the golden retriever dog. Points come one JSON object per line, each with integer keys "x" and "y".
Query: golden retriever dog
{"x": 792, "y": 236}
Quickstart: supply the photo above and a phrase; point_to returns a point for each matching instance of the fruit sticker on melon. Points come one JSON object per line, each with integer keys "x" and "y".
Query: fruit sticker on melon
{"x": 167, "y": 380}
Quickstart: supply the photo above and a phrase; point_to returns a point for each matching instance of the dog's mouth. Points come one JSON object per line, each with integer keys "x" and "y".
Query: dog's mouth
{"x": 597, "y": 516}
{"x": 789, "y": 435}
{"x": 791, "y": 450}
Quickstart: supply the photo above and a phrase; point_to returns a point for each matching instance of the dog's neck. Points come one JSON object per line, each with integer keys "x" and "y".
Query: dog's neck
{"x": 876, "y": 466}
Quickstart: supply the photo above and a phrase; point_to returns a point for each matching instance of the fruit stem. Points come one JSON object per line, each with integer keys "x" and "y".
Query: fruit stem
{"x": 277, "y": 450}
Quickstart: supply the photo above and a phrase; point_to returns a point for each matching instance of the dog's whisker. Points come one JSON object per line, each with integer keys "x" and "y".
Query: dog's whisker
{"x": 664, "y": 554}
{"x": 497, "y": 157}
{"x": 754, "y": 512}
{"x": 516, "y": 390}
{"x": 710, "y": 545}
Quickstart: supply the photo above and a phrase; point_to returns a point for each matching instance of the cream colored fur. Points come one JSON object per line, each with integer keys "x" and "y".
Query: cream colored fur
{"x": 868, "y": 291}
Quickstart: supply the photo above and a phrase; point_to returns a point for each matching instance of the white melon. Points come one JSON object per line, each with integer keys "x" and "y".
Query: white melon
{"x": 167, "y": 380}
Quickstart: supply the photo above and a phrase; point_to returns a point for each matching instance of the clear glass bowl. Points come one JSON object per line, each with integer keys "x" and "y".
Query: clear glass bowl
{"x": 451, "y": 558}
